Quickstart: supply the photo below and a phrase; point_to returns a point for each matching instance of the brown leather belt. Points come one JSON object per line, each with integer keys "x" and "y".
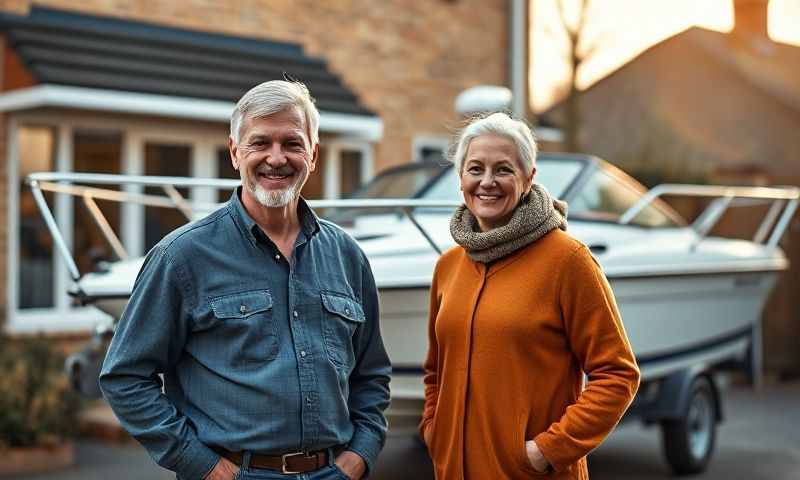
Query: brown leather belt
{"x": 288, "y": 463}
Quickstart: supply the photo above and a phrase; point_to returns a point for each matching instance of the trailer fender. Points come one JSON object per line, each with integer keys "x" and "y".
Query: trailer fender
{"x": 674, "y": 395}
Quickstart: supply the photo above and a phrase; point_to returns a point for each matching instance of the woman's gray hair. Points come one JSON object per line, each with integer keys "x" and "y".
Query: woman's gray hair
{"x": 498, "y": 123}
{"x": 272, "y": 97}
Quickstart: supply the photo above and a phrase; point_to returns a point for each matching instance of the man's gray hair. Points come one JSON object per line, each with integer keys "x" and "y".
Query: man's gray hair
{"x": 498, "y": 123}
{"x": 273, "y": 97}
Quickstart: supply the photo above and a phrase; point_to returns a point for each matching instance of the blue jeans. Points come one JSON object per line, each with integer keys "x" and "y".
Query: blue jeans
{"x": 328, "y": 472}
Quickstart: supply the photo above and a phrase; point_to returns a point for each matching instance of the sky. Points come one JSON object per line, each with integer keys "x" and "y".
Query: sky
{"x": 621, "y": 29}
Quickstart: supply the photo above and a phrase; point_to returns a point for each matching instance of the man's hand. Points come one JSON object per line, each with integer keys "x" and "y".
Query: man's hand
{"x": 535, "y": 456}
{"x": 223, "y": 470}
{"x": 351, "y": 464}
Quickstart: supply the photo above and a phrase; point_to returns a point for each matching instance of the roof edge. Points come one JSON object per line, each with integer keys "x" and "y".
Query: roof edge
{"x": 363, "y": 127}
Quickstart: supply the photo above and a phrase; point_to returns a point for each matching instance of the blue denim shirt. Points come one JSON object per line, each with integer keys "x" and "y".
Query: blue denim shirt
{"x": 257, "y": 353}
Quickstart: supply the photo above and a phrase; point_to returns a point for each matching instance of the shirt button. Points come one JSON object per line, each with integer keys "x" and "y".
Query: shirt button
{"x": 243, "y": 309}
{"x": 302, "y": 353}
{"x": 309, "y": 401}
{"x": 277, "y": 257}
{"x": 295, "y": 314}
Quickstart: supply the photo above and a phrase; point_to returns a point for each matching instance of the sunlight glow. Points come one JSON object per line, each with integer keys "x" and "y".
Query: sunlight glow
{"x": 623, "y": 29}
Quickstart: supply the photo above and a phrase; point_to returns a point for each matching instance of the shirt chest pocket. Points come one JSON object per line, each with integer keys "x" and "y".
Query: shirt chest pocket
{"x": 341, "y": 317}
{"x": 245, "y": 332}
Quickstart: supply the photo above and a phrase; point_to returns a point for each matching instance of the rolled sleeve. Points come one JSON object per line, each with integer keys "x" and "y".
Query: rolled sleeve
{"x": 367, "y": 446}
{"x": 196, "y": 461}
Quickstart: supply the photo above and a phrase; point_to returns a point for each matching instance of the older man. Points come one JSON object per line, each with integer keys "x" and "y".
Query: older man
{"x": 263, "y": 320}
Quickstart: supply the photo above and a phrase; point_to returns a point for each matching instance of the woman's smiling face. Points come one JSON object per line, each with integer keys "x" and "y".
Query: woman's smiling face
{"x": 493, "y": 180}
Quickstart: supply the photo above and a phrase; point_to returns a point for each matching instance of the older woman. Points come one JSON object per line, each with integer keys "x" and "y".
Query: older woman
{"x": 519, "y": 312}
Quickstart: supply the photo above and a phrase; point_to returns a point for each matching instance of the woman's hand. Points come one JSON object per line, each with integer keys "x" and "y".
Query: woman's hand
{"x": 535, "y": 457}
{"x": 426, "y": 435}
{"x": 223, "y": 470}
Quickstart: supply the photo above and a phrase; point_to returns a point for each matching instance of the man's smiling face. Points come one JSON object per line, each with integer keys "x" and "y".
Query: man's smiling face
{"x": 274, "y": 157}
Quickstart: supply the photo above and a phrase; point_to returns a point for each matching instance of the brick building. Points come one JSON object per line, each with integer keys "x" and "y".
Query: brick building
{"x": 142, "y": 87}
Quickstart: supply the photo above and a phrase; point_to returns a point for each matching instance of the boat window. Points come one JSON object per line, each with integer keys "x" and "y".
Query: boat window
{"x": 557, "y": 175}
{"x": 605, "y": 198}
{"x": 400, "y": 183}
{"x": 446, "y": 188}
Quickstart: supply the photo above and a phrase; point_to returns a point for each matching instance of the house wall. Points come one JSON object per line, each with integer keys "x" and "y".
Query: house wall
{"x": 407, "y": 60}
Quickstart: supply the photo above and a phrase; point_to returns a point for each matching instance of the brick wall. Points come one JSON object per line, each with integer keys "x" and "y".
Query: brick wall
{"x": 406, "y": 59}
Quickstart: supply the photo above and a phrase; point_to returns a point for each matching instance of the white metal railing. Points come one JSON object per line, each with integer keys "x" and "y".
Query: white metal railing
{"x": 75, "y": 184}
{"x": 783, "y": 204}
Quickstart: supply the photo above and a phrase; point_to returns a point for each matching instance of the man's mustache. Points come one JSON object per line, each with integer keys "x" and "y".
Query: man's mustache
{"x": 285, "y": 170}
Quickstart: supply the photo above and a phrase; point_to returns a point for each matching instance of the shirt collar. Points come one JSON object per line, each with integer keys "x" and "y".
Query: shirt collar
{"x": 309, "y": 222}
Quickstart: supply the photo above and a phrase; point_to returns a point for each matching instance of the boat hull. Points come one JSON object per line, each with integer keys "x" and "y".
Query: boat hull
{"x": 673, "y": 321}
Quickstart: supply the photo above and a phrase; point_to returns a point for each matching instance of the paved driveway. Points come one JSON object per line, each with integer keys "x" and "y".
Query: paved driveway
{"x": 759, "y": 440}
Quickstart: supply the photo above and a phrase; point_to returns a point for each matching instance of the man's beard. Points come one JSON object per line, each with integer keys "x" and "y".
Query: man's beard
{"x": 275, "y": 198}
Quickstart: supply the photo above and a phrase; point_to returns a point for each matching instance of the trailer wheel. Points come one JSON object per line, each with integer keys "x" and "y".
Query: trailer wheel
{"x": 688, "y": 442}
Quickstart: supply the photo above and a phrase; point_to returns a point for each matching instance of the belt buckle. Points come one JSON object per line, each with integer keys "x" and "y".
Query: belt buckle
{"x": 285, "y": 470}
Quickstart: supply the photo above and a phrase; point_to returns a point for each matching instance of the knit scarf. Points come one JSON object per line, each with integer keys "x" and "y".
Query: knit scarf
{"x": 536, "y": 214}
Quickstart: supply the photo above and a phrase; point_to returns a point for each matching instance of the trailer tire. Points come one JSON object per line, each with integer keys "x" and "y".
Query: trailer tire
{"x": 688, "y": 442}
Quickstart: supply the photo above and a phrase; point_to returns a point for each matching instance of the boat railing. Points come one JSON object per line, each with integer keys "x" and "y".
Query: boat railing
{"x": 783, "y": 202}
{"x": 83, "y": 185}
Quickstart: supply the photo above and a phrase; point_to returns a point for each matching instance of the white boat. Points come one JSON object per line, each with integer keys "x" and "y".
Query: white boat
{"x": 689, "y": 300}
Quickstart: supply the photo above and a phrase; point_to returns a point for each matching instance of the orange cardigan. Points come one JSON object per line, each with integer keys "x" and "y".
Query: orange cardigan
{"x": 509, "y": 344}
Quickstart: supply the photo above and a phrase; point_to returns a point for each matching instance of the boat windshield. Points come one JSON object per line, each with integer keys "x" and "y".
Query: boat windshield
{"x": 437, "y": 182}
{"x": 408, "y": 181}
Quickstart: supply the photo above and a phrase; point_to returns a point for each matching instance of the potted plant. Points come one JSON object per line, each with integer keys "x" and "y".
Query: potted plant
{"x": 38, "y": 409}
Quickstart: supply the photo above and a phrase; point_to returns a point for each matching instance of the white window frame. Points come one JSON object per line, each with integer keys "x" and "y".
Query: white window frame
{"x": 333, "y": 164}
{"x": 204, "y": 141}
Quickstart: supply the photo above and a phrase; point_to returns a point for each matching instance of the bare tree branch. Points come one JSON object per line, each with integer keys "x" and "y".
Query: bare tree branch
{"x": 603, "y": 41}
{"x": 582, "y": 9}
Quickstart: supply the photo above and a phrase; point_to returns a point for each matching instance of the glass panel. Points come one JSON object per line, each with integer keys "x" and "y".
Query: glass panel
{"x": 602, "y": 198}
{"x": 557, "y": 175}
{"x": 350, "y": 172}
{"x": 165, "y": 160}
{"x": 224, "y": 170}
{"x": 95, "y": 152}
{"x": 446, "y": 188}
{"x": 403, "y": 182}
{"x": 36, "y": 147}
{"x": 605, "y": 198}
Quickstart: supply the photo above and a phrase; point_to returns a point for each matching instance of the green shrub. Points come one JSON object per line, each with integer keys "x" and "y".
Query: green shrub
{"x": 37, "y": 405}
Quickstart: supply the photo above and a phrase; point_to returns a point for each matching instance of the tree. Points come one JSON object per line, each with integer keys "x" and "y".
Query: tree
{"x": 578, "y": 51}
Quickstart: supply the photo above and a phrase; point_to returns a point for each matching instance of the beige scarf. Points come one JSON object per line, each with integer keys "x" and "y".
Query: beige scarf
{"x": 536, "y": 214}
